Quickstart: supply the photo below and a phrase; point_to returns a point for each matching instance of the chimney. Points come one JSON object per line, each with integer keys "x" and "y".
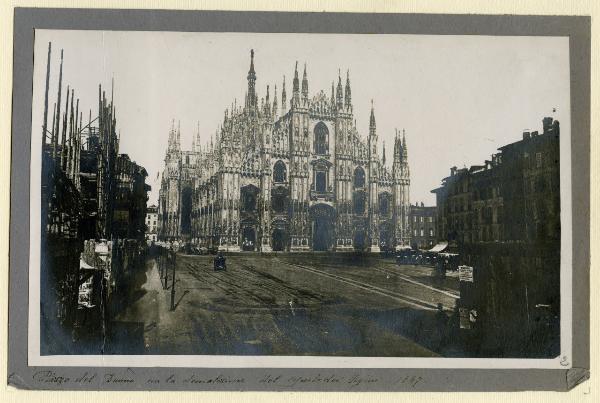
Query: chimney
{"x": 547, "y": 124}
{"x": 452, "y": 171}
{"x": 556, "y": 128}
{"x": 526, "y": 135}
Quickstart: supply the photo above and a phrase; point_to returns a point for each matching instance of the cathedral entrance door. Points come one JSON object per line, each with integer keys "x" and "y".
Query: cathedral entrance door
{"x": 323, "y": 218}
{"x": 279, "y": 239}
{"x": 321, "y": 237}
{"x": 360, "y": 240}
{"x": 248, "y": 238}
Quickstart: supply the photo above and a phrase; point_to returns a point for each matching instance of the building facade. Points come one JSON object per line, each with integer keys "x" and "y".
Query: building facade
{"x": 423, "y": 226}
{"x": 91, "y": 194}
{"x": 289, "y": 175}
{"x": 131, "y": 195}
{"x": 152, "y": 223}
{"x": 503, "y": 218}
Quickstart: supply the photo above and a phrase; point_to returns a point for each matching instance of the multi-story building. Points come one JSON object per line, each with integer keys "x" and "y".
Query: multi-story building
{"x": 130, "y": 196}
{"x": 151, "y": 223}
{"x": 302, "y": 178}
{"x": 423, "y": 226}
{"x": 503, "y": 218}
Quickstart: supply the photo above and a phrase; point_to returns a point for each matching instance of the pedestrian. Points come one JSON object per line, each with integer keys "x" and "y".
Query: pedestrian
{"x": 453, "y": 327}
{"x": 220, "y": 262}
{"x": 441, "y": 322}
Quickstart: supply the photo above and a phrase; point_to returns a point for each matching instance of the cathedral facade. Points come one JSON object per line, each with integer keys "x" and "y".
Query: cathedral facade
{"x": 289, "y": 175}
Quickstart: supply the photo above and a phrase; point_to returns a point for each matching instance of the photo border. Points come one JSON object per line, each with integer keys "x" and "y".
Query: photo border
{"x": 576, "y": 28}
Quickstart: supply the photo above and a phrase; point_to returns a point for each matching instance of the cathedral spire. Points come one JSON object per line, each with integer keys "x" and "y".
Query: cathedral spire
{"x": 372, "y": 125}
{"x": 171, "y": 136}
{"x": 197, "y": 136}
{"x": 372, "y": 133}
{"x": 348, "y": 95}
{"x": 304, "y": 84}
{"x": 275, "y": 102}
{"x": 251, "y": 72}
{"x": 332, "y": 94}
{"x": 178, "y": 144}
{"x": 283, "y": 98}
{"x": 267, "y": 102}
{"x": 295, "y": 87}
{"x": 404, "y": 148}
{"x": 251, "y": 97}
{"x": 339, "y": 95}
{"x": 383, "y": 154}
{"x": 397, "y": 148}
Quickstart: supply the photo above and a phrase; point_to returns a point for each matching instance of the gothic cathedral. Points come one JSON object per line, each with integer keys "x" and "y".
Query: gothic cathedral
{"x": 302, "y": 179}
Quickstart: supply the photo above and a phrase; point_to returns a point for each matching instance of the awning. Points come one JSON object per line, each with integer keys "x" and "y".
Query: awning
{"x": 439, "y": 247}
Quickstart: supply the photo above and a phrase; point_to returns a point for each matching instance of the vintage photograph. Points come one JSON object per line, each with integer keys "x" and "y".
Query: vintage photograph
{"x": 272, "y": 194}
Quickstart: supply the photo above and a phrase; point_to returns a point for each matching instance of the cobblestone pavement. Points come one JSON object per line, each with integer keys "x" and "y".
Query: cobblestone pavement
{"x": 292, "y": 304}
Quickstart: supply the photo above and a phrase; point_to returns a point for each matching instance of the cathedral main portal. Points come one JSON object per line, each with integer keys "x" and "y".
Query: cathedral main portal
{"x": 279, "y": 240}
{"x": 248, "y": 239}
{"x": 323, "y": 224}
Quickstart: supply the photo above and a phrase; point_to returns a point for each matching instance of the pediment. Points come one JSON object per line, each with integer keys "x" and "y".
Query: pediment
{"x": 321, "y": 162}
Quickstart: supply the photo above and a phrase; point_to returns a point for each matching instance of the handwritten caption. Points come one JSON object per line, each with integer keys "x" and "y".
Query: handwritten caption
{"x": 129, "y": 377}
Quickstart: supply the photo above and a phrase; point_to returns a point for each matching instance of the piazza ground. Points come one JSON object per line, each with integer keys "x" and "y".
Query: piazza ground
{"x": 287, "y": 304}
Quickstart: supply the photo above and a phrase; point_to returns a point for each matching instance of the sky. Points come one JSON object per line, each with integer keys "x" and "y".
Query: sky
{"x": 458, "y": 98}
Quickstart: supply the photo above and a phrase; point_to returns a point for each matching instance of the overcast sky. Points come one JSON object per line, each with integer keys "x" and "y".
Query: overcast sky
{"x": 459, "y": 98}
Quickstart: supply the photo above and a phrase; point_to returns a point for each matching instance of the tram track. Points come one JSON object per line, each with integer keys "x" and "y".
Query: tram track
{"x": 249, "y": 279}
{"x": 220, "y": 280}
{"x": 416, "y": 302}
{"x": 412, "y": 281}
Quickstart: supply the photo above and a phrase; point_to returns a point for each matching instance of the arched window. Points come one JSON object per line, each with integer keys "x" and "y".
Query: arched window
{"x": 249, "y": 198}
{"x": 359, "y": 202}
{"x": 249, "y": 202}
{"x": 359, "y": 178}
{"x": 279, "y": 172}
{"x": 320, "y": 181}
{"x": 321, "y": 145}
{"x": 278, "y": 203}
{"x": 384, "y": 204}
